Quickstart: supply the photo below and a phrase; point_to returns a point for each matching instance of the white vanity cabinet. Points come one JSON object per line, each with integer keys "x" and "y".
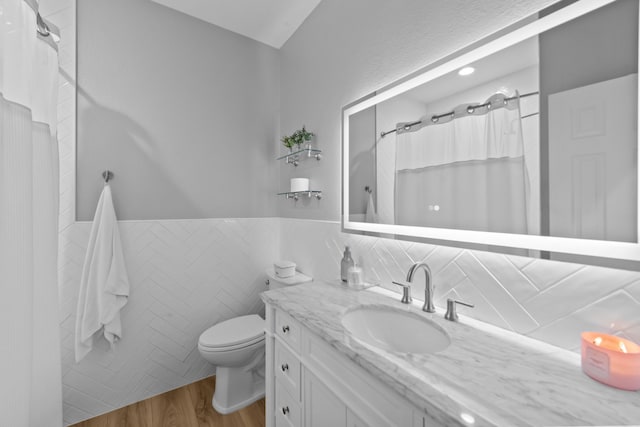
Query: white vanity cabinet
{"x": 322, "y": 406}
{"x": 311, "y": 384}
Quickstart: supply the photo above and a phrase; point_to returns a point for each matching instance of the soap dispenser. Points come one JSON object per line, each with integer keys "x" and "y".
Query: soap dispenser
{"x": 346, "y": 263}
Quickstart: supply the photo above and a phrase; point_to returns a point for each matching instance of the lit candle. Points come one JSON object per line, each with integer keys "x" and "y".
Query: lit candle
{"x": 611, "y": 360}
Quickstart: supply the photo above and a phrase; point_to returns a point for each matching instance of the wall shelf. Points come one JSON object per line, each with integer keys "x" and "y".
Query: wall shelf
{"x": 294, "y": 157}
{"x": 295, "y": 195}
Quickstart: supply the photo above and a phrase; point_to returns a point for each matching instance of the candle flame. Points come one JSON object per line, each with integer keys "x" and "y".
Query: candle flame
{"x": 622, "y": 347}
{"x": 597, "y": 341}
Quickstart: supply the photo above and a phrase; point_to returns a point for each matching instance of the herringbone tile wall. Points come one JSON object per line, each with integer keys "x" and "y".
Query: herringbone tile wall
{"x": 186, "y": 275}
{"x": 547, "y": 300}
{"x": 62, "y": 14}
{"x": 189, "y": 274}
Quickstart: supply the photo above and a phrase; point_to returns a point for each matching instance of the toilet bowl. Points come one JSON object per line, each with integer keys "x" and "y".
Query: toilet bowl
{"x": 237, "y": 348}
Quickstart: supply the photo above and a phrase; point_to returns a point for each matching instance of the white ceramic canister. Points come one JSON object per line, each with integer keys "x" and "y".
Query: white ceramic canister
{"x": 284, "y": 268}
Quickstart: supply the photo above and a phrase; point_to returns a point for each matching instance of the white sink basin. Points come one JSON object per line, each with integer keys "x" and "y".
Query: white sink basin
{"x": 395, "y": 330}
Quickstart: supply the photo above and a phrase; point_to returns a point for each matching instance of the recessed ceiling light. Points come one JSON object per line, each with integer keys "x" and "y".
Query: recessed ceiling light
{"x": 466, "y": 71}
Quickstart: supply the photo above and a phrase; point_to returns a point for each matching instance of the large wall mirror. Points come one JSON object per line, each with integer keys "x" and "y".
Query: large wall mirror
{"x": 526, "y": 141}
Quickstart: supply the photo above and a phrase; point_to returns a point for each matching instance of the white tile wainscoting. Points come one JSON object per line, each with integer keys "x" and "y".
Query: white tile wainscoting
{"x": 185, "y": 276}
{"x": 188, "y": 274}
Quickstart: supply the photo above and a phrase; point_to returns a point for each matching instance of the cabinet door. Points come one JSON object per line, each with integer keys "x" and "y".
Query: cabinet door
{"x": 287, "y": 369}
{"x": 287, "y": 409}
{"x": 322, "y": 408}
{"x": 289, "y": 330}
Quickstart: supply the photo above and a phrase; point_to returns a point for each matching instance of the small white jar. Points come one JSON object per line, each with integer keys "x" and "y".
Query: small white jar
{"x": 284, "y": 268}
{"x": 355, "y": 277}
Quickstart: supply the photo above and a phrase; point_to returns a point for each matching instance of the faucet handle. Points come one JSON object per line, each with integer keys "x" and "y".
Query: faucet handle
{"x": 451, "y": 313}
{"x": 406, "y": 292}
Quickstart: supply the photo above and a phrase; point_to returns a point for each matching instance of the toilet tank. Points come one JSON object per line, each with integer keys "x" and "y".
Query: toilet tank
{"x": 275, "y": 282}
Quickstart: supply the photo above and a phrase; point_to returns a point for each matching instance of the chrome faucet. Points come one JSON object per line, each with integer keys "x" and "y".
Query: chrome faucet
{"x": 428, "y": 285}
{"x": 406, "y": 292}
{"x": 451, "y": 313}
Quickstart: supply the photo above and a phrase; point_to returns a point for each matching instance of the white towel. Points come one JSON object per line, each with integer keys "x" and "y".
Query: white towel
{"x": 104, "y": 287}
{"x": 370, "y": 214}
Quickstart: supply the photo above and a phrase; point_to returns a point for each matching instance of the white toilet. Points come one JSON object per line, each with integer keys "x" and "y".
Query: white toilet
{"x": 236, "y": 347}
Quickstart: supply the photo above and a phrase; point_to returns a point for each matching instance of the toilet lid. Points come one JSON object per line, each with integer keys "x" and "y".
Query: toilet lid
{"x": 242, "y": 329}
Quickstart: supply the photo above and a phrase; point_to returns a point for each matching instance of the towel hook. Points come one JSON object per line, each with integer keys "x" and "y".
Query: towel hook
{"x": 107, "y": 175}
{"x": 368, "y": 189}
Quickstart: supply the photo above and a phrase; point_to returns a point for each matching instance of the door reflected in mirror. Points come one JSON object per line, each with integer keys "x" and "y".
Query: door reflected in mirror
{"x": 536, "y": 138}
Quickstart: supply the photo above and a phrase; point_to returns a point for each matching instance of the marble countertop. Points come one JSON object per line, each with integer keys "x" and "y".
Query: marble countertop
{"x": 497, "y": 377}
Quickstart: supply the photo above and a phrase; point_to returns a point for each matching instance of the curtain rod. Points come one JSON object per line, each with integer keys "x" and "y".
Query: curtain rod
{"x": 470, "y": 109}
{"x": 43, "y": 27}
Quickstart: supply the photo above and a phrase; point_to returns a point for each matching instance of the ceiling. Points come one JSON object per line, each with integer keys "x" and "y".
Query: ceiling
{"x": 506, "y": 61}
{"x": 268, "y": 21}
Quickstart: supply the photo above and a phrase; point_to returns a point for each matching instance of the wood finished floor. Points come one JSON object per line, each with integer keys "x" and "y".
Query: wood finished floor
{"x": 188, "y": 406}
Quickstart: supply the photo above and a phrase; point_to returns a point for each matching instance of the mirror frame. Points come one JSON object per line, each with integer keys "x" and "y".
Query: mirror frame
{"x": 500, "y": 242}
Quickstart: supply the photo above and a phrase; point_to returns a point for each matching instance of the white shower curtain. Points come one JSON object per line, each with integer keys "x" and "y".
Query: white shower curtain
{"x": 467, "y": 173}
{"x": 30, "y": 385}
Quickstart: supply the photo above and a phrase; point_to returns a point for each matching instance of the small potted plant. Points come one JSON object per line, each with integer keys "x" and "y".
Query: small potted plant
{"x": 301, "y": 136}
{"x": 298, "y": 138}
{"x": 288, "y": 142}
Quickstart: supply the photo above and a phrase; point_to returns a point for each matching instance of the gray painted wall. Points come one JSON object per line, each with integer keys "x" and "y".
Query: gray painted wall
{"x": 184, "y": 113}
{"x": 348, "y": 49}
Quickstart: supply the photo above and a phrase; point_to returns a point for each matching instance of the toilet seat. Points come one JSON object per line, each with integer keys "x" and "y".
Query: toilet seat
{"x": 233, "y": 334}
{"x": 211, "y": 349}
